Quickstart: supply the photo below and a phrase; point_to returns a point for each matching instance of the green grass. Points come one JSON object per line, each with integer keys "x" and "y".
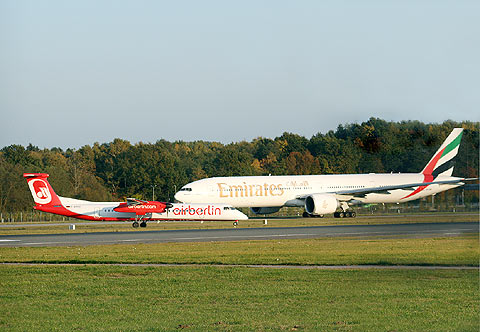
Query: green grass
{"x": 211, "y": 298}
{"x": 112, "y": 298}
{"x": 20, "y": 228}
{"x": 462, "y": 250}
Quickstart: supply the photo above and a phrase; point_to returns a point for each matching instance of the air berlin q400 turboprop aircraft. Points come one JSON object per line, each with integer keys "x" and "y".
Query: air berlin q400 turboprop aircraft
{"x": 324, "y": 194}
{"x": 134, "y": 210}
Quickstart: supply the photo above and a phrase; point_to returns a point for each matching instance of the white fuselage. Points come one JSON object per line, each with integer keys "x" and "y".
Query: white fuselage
{"x": 288, "y": 190}
{"x": 105, "y": 211}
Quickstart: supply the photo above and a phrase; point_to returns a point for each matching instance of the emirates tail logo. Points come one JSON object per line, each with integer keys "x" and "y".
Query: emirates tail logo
{"x": 325, "y": 204}
{"x": 41, "y": 193}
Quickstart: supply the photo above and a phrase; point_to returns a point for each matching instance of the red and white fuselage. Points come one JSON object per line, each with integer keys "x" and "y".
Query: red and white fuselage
{"x": 47, "y": 201}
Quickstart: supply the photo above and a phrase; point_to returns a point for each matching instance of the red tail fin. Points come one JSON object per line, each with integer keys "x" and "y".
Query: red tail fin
{"x": 42, "y": 191}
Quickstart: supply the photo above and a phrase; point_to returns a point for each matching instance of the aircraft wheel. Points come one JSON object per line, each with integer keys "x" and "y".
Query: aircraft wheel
{"x": 353, "y": 214}
{"x": 341, "y": 214}
{"x": 143, "y": 224}
{"x": 335, "y": 215}
{"x": 306, "y": 214}
{"x": 135, "y": 224}
{"x": 235, "y": 223}
{"x": 348, "y": 214}
{"x": 320, "y": 216}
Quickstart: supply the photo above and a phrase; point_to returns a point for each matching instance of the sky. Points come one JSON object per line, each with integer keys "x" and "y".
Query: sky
{"x": 73, "y": 73}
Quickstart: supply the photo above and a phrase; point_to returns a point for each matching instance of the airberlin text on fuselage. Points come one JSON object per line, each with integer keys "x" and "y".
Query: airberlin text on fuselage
{"x": 142, "y": 207}
{"x": 250, "y": 190}
{"x": 192, "y": 211}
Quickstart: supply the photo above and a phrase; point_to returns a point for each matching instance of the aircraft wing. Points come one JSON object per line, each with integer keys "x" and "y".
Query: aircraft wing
{"x": 361, "y": 192}
{"x": 385, "y": 189}
{"x": 134, "y": 201}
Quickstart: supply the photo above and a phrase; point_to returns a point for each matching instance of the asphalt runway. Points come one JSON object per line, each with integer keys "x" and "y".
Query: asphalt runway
{"x": 239, "y": 234}
{"x": 88, "y": 223}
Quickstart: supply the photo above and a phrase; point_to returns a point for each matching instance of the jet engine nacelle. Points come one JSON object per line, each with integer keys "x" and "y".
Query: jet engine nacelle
{"x": 320, "y": 204}
{"x": 265, "y": 210}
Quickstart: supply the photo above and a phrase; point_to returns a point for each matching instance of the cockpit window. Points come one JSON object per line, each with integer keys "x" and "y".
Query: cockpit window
{"x": 229, "y": 208}
{"x": 186, "y": 189}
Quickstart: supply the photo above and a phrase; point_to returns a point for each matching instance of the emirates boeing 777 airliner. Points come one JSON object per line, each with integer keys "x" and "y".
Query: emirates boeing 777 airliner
{"x": 324, "y": 194}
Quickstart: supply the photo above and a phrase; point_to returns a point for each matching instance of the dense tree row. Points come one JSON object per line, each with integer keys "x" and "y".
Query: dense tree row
{"x": 115, "y": 170}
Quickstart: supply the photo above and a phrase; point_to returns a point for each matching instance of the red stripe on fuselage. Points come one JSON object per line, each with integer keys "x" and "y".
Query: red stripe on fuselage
{"x": 65, "y": 212}
{"x": 426, "y": 178}
{"x": 61, "y": 210}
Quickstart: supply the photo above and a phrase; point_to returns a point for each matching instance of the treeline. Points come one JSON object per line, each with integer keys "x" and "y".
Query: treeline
{"x": 119, "y": 169}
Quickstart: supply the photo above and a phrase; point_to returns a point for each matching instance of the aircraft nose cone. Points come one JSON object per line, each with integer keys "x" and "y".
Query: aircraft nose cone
{"x": 178, "y": 196}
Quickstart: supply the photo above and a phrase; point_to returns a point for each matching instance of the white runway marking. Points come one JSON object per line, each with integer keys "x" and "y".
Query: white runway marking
{"x": 2, "y": 240}
{"x": 239, "y": 236}
{"x": 35, "y": 243}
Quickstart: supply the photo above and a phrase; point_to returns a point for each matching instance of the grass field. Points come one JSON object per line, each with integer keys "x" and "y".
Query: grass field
{"x": 223, "y": 298}
{"x": 22, "y": 228}
{"x": 462, "y": 250}
{"x": 109, "y": 298}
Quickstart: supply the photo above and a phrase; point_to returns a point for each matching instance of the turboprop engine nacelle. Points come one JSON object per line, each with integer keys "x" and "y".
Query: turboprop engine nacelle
{"x": 265, "y": 210}
{"x": 141, "y": 208}
{"x": 319, "y": 204}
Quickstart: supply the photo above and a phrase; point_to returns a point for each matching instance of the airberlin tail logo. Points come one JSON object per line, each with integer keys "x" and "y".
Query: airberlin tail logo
{"x": 41, "y": 193}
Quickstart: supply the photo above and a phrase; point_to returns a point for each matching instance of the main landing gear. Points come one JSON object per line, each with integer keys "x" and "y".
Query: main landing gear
{"x": 345, "y": 214}
{"x": 341, "y": 214}
{"x": 139, "y": 222}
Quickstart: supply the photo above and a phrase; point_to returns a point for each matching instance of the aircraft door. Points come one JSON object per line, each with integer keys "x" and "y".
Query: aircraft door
{"x": 370, "y": 197}
{"x": 211, "y": 191}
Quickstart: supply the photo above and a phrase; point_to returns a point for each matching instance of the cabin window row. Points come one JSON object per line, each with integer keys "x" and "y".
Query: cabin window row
{"x": 345, "y": 187}
{"x": 284, "y": 188}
